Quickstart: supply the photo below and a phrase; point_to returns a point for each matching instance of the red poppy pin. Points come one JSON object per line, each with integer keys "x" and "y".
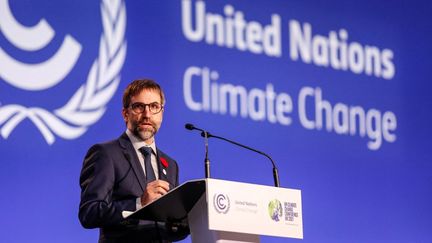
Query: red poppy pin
{"x": 164, "y": 162}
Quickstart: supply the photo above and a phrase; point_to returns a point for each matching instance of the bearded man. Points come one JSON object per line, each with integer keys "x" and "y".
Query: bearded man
{"x": 128, "y": 173}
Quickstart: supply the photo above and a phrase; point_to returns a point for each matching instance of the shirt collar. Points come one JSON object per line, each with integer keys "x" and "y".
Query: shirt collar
{"x": 138, "y": 143}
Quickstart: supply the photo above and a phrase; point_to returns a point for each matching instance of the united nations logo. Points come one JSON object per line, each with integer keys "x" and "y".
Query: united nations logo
{"x": 275, "y": 210}
{"x": 88, "y": 103}
{"x": 221, "y": 203}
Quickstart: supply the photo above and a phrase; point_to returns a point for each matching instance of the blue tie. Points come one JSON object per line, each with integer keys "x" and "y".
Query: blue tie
{"x": 146, "y": 151}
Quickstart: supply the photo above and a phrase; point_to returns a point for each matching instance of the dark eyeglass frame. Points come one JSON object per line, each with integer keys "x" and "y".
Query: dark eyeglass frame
{"x": 139, "y": 107}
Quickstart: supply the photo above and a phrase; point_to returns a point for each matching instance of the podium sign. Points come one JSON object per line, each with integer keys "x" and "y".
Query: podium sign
{"x": 254, "y": 209}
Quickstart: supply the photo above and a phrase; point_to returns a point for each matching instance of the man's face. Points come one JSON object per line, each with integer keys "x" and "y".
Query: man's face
{"x": 144, "y": 125}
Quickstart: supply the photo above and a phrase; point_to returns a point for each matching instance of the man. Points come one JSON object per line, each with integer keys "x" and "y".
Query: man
{"x": 127, "y": 173}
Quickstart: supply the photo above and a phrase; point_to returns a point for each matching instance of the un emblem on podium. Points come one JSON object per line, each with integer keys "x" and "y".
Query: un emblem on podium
{"x": 221, "y": 203}
{"x": 88, "y": 103}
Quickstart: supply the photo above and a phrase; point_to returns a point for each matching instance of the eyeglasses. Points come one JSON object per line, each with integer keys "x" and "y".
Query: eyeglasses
{"x": 139, "y": 107}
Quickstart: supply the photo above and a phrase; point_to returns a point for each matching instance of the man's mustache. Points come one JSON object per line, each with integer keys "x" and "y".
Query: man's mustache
{"x": 147, "y": 122}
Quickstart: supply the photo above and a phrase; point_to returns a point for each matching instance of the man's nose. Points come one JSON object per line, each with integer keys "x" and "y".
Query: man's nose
{"x": 147, "y": 112}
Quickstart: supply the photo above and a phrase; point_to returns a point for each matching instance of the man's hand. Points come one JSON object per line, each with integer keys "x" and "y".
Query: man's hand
{"x": 154, "y": 190}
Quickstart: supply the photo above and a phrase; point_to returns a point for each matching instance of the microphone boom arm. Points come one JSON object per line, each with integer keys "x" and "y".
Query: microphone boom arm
{"x": 275, "y": 171}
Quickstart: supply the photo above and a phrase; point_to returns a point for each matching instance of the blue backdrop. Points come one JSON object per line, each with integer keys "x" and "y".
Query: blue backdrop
{"x": 336, "y": 92}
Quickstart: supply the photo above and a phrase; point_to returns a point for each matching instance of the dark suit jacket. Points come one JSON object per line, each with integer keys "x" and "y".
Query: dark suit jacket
{"x": 111, "y": 180}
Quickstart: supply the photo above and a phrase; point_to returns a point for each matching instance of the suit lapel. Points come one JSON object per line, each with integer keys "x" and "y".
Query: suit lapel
{"x": 162, "y": 171}
{"x": 168, "y": 172}
{"x": 131, "y": 156}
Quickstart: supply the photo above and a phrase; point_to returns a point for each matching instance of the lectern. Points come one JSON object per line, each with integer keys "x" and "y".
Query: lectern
{"x": 226, "y": 211}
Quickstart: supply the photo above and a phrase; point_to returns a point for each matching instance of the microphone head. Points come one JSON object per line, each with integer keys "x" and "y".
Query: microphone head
{"x": 189, "y": 126}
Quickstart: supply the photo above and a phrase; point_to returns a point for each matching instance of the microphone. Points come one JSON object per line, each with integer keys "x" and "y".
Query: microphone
{"x": 206, "y": 159}
{"x": 207, "y": 135}
{"x": 191, "y": 127}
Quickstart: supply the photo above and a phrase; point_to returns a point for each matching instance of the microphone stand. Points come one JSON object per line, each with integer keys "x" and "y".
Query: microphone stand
{"x": 205, "y": 135}
{"x": 275, "y": 170}
{"x": 206, "y": 159}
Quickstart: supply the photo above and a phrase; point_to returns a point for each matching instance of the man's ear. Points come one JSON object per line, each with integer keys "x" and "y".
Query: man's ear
{"x": 125, "y": 115}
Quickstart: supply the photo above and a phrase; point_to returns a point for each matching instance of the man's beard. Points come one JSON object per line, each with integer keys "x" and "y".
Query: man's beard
{"x": 144, "y": 133}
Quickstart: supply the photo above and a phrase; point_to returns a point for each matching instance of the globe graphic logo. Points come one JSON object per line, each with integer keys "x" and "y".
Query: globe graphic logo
{"x": 275, "y": 210}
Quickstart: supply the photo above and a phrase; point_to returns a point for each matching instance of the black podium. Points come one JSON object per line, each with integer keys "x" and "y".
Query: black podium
{"x": 175, "y": 205}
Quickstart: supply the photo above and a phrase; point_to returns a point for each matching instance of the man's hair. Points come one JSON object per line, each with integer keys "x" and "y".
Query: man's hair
{"x": 139, "y": 85}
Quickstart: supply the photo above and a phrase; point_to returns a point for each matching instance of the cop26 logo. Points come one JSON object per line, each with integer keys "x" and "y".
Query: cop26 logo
{"x": 88, "y": 103}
